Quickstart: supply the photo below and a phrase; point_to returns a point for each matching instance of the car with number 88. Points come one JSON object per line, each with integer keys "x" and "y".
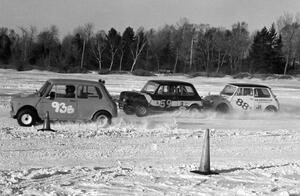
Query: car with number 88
{"x": 65, "y": 99}
{"x": 243, "y": 97}
{"x": 160, "y": 96}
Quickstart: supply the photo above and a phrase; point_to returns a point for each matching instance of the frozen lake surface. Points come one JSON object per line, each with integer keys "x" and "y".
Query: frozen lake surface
{"x": 255, "y": 153}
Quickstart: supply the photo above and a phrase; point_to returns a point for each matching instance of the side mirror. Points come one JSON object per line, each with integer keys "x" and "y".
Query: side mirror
{"x": 52, "y": 95}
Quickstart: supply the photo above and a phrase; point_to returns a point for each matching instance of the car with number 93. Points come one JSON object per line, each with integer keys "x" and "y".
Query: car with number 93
{"x": 65, "y": 99}
{"x": 160, "y": 96}
{"x": 243, "y": 97}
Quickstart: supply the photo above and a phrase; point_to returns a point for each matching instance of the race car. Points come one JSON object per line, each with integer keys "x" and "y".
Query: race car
{"x": 65, "y": 99}
{"x": 243, "y": 97}
{"x": 160, "y": 96}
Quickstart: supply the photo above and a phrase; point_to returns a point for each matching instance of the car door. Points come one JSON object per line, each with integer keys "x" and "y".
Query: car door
{"x": 262, "y": 98}
{"x": 243, "y": 99}
{"x": 165, "y": 97}
{"x": 187, "y": 96}
{"x": 90, "y": 100}
{"x": 60, "y": 102}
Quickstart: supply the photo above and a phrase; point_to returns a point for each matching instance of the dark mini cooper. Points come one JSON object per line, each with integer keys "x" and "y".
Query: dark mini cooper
{"x": 160, "y": 96}
{"x": 66, "y": 99}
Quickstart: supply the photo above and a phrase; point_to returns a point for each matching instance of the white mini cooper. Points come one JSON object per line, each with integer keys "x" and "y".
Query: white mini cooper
{"x": 243, "y": 97}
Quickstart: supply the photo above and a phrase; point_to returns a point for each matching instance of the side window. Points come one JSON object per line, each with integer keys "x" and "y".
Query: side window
{"x": 63, "y": 91}
{"x": 248, "y": 92}
{"x": 166, "y": 90}
{"x": 85, "y": 92}
{"x": 261, "y": 92}
{"x": 162, "y": 90}
{"x": 185, "y": 90}
{"x": 239, "y": 92}
{"x": 244, "y": 92}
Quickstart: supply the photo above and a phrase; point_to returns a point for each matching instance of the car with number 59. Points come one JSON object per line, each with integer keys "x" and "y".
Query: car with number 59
{"x": 160, "y": 96}
{"x": 243, "y": 97}
{"x": 65, "y": 100}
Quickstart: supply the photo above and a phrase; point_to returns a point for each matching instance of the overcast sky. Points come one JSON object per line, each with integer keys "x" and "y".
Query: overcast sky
{"x": 104, "y": 14}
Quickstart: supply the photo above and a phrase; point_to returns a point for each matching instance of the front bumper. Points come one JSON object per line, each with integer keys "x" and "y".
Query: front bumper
{"x": 12, "y": 112}
{"x": 121, "y": 104}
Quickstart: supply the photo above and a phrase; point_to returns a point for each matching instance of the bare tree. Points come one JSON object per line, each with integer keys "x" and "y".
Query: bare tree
{"x": 85, "y": 32}
{"x": 98, "y": 47}
{"x": 113, "y": 40}
{"x": 27, "y": 39}
{"x": 137, "y": 47}
{"x": 289, "y": 28}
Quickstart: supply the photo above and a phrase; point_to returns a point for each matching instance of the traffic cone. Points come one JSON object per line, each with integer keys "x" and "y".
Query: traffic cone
{"x": 46, "y": 125}
{"x": 204, "y": 168}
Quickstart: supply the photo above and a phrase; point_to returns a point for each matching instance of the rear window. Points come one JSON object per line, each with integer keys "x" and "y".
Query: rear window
{"x": 228, "y": 90}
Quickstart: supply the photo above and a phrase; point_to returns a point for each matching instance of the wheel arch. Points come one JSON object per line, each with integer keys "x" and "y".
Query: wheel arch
{"x": 30, "y": 107}
{"x": 218, "y": 100}
{"x": 196, "y": 105}
{"x": 102, "y": 111}
{"x": 271, "y": 107}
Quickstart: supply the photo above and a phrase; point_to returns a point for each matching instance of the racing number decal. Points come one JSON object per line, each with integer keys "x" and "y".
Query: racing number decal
{"x": 165, "y": 103}
{"x": 62, "y": 108}
{"x": 242, "y": 104}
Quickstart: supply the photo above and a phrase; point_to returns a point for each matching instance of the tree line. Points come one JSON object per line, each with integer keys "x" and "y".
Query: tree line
{"x": 183, "y": 47}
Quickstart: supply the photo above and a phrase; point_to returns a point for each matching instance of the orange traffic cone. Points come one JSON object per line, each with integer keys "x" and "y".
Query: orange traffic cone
{"x": 46, "y": 125}
{"x": 204, "y": 168}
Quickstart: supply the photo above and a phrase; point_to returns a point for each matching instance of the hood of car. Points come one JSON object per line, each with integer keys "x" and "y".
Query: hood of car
{"x": 23, "y": 95}
{"x": 22, "y": 99}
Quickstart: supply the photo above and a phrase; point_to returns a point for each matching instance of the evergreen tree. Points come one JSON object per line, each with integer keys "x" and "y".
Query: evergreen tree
{"x": 126, "y": 41}
{"x": 265, "y": 53}
{"x": 5, "y": 51}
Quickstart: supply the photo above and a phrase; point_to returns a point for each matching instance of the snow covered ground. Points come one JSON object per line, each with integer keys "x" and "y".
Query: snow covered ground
{"x": 255, "y": 154}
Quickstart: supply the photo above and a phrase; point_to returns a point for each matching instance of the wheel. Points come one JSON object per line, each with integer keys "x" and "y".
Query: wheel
{"x": 141, "y": 110}
{"x": 128, "y": 110}
{"x": 222, "y": 108}
{"x": 271, "y": 108}
{"x": 194, "y": 108}
{"x": 27, "y": 117}
{"x": 103, "y": 119}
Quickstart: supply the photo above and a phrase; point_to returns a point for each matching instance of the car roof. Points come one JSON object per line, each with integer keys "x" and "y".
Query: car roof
{"x": 248, "y": 85}
{"x": 73, "y": 81}
{"x": 169, "y": 82}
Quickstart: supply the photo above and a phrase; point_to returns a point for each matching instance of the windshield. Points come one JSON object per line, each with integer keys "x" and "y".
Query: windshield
{"x": 150, "y": 87}
{"x": 228, "y": 90}
{"x": 44, "y": 88}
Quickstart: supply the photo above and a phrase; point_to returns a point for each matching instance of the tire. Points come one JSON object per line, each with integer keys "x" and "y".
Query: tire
{"x": 103, "y": 119}
{"x": 271, "y": 108}
{"x": 27, "y": 118}
{"x": 222, "y": 108}
{"x": 128, "y": 110}
{"x": 141, "y": 110}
